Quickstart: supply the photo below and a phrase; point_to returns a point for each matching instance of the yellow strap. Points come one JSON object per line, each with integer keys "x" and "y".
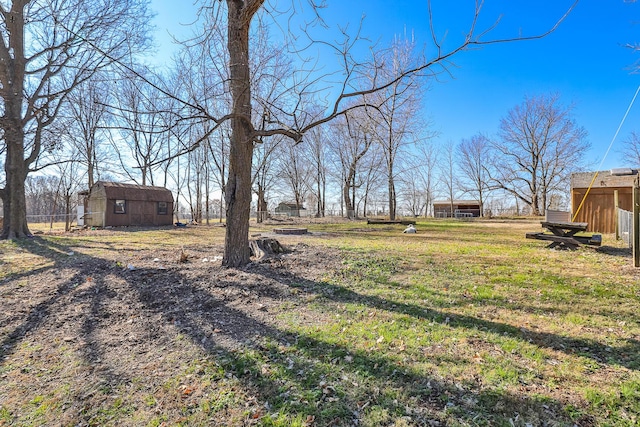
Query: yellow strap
{"x": 575, "y": 215}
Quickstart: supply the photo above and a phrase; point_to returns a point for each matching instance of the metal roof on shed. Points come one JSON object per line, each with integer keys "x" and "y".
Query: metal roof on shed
{"x": 456, "y": 202}
{"x": 118, "y": 190}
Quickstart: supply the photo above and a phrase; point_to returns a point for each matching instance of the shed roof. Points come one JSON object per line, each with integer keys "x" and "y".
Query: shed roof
{"x": 290, "y": 205}
{"x": 612, "y": 178}
{"x": 118, "y": 190}
{"x": 456, "y": 202}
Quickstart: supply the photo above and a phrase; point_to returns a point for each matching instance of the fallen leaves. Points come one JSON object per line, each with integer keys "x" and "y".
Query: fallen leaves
{"x": 477, "y": 358}
{"x": 187, "y": 391}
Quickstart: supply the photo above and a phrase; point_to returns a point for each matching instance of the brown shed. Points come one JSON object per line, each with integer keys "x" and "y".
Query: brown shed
{"x": 115, "y": 204}
{"x": 599, "y": 207}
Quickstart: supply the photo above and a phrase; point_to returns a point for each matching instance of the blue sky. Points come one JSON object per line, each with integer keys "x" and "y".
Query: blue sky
{"x": 583, "y": 60}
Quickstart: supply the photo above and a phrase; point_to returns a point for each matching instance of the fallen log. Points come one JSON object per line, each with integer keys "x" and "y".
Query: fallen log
{"x": 290, "y": 230}
{"x": 387, "y": 221}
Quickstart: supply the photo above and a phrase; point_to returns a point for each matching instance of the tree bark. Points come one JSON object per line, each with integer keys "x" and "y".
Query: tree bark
{"x": 392, "y": 194}
{"x": 265, "y": 247}
{"x": 535, "y": 205}
{"x": 238, "y": 188}
{"x": 67, "y": 211}
{"x": 16, "y": 168}
{"x": 348, "y": 206}
{"x": 262, "y": 213}
{"x": 15, "y": 204}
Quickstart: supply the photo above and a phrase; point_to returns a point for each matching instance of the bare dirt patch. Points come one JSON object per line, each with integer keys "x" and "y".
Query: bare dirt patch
{"x": 91, "y": 330}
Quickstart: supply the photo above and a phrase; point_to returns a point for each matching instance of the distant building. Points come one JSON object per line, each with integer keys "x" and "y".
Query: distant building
{"x": 599, "y": 209}
{"x": 290, "y": 209}
{"x": 115, "y": 204}
{"x": 456, "y": 209}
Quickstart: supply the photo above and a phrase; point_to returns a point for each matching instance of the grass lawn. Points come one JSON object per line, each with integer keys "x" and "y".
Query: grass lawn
{"x": 466, "y": 323}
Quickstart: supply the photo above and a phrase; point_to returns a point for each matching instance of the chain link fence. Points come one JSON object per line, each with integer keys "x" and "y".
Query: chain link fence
{"x": 51, "y": 223}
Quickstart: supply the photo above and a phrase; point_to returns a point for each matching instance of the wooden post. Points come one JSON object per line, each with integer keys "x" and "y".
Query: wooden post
{"x": 615, "y": 213}
{"x": 636, "y": 225}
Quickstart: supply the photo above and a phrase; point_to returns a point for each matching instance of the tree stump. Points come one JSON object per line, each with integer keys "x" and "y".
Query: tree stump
{"x": 265, "y": 247}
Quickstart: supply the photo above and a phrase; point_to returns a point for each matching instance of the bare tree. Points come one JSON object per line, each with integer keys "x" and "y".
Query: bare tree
{"x": 270, "y": 69}
{"x": 141, "y": 125}
{"x": 350, "y": 141}
{"x": 448, "y": 175}
{"x": 203, "y": 79}
{"x": 197, "y": 181}
{"x": 50, "y": 198}
{"x": 538, "y": 146}
{"x": 266, "y": 160}
{"x": 86, "y": 127}
{"x": 370, "y": 179}
{"x": 47, "y": 49}
{"x": 397, "y": 113}
{"x": 414, "y": 197}
{"x": 316, "y": 144}
{"x": 420, "y": 178}
{"x": 40, "y": 193}
{"x": 70, "y": 182}
{"x": 631, "y": 149}
{"x": 474, "y": 160}
{"x": 296, "y": 172}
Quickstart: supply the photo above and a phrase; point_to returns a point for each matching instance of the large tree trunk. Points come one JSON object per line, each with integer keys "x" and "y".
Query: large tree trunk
{"x": 16, "y": 167}
{"x": 15, "y": 204}
{"x": 348, "y": 205}
{"x": 535, "y": 205}
{"x": 207, "y": 202}
{"x": 67, "y": 211}
{"x": 324, "y": 196}
{"x": 238, "y": 189}
{"x": 262, "y": 213}
{"x": 392, "y": 197}
{"x": 90, "y": 171}
{"x": 319, "y": 202}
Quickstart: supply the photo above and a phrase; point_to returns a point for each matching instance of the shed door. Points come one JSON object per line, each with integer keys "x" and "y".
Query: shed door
{"x": 143, "y": 212}
{"x": 148, "y": 213}
{"x": 136, "y": 212}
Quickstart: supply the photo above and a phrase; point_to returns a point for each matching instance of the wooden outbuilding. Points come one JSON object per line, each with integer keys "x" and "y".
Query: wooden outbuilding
{"x": 610, "y": 190}
{"x": 456, "y": 209}
{"x": 290, "y": 209}
{"x": 116, "y": 204}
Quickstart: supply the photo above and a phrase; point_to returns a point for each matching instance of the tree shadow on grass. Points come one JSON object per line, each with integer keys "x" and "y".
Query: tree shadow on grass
{"x": 532, "y": 303}
{"x": 301, "y": 375}
{"x": 39, "y": 312}
{"x": 295, "y": 374}
{"x": 627, "y": 355}
{"x": 80, "y": 286}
